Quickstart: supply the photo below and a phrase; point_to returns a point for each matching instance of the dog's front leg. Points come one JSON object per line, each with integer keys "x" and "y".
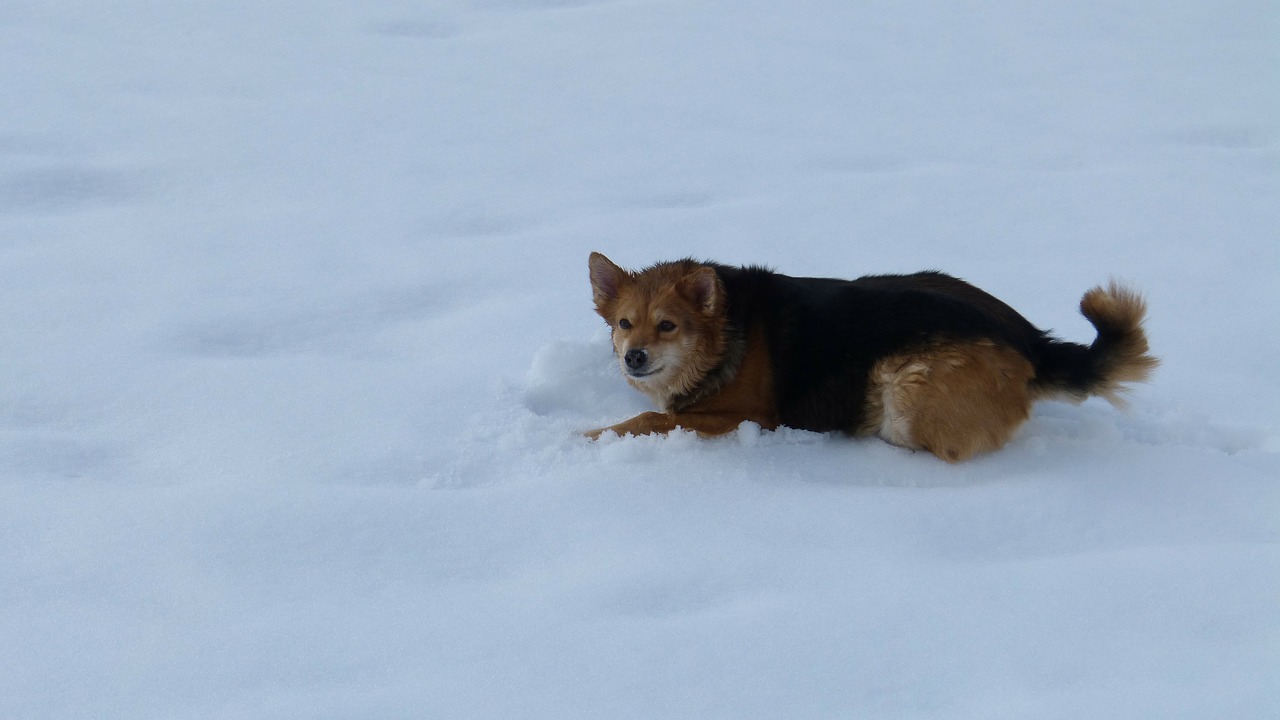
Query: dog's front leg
{"x": 646, "y": 423}
{"x": 705, "y": 424}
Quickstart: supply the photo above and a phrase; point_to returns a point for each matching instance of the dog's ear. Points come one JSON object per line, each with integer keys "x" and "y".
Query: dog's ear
{"x": 606, "y": 280}
{"x": 703, "y": 288}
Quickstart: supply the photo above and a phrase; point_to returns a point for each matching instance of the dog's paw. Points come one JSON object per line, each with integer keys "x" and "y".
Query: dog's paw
{"x": 648, "y": 423}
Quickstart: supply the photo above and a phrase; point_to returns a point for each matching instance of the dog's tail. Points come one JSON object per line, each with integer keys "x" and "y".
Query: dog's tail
{"x": 1072, "y": 371}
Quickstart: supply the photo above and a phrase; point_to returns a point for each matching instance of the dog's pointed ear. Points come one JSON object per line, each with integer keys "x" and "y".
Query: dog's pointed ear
{"x": 704, "y": 289}
{"x": 606, "y": 280}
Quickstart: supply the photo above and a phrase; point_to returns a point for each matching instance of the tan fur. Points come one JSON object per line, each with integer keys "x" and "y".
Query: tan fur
{"x": 953, "y": 400}
{"x": 1119, "y": 310}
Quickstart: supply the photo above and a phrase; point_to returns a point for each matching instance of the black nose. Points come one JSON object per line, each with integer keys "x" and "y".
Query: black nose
{"x": 635, "y": 359}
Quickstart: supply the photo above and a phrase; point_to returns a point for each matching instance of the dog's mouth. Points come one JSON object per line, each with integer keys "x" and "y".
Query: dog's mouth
{"x": 640, "y": 374}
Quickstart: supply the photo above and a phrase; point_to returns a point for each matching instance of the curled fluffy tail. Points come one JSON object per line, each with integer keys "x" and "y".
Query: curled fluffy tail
{"x": 1118, "y": 355}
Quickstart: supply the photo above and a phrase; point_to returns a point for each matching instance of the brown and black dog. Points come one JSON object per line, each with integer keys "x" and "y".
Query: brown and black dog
{"x": 925, "y": 361}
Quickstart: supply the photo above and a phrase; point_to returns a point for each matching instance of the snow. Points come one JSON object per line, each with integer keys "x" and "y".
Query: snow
{"x": 296, "y": 344}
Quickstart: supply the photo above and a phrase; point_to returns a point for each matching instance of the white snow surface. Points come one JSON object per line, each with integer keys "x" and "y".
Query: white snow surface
{"x": 296, "y": 343}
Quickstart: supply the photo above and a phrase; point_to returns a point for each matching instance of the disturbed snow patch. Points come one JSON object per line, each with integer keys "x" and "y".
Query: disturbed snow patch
{"x": 533, "y": 431}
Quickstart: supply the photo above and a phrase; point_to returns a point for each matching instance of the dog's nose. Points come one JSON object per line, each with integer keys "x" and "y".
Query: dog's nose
{"x": 635, "y": 359}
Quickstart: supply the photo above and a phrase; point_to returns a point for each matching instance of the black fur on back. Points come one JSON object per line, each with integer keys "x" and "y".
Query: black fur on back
{"x": 825, "y": 335}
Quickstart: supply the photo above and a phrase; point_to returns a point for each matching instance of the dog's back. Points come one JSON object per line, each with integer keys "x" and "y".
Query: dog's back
{"x": 825, "y": 335}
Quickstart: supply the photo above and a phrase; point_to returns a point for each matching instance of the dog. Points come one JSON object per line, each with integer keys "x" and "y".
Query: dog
{"x": 925, "y": 361}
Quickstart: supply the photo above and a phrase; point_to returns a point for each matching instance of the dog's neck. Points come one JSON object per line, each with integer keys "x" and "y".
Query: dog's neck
{"x": 721, "y": 374}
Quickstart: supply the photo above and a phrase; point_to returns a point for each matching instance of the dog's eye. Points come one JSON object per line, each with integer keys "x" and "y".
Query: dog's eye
{"x": 625, "y": 324}
{"x": 666, "y": 326}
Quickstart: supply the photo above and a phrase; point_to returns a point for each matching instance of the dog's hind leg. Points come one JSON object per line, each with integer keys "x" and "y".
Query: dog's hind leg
{"x": 954, "y": 399}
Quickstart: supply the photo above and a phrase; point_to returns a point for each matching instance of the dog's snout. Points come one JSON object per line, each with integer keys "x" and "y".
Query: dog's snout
{"x": 635, "y": 359}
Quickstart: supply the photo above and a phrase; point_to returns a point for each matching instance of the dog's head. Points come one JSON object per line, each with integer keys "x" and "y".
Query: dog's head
{"x": 667, "y": 323}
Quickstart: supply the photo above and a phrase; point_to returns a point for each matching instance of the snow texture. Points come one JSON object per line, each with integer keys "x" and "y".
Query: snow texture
{"x": 296, "y": 343}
